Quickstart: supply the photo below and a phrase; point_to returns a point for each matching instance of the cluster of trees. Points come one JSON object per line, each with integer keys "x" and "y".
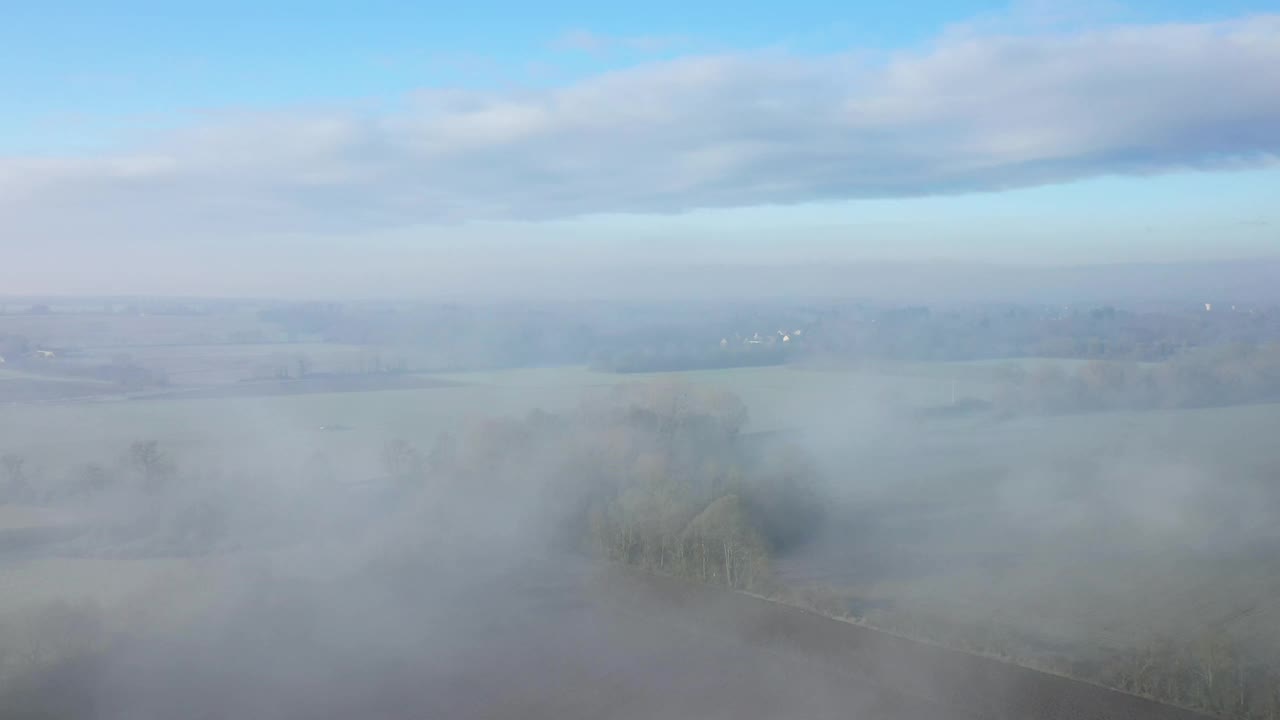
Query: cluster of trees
{"x": 1210, "y": 673}
{"x": 143, "y": 467}
{"x": 657, "y": 476}
{"x": 1230, "y": 375}
{"x": 689, "y": 496}
{"x": 660, "y": 530}
{"x": 170, "y": 513}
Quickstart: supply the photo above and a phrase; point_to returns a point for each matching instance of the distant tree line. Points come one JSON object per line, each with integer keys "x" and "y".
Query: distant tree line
{"x": 18, "y": 352}
{"x": 665, "y": 337}
{"x": 710, "y": 357}
{"x": 850, "y": 333}
{"x": 1236, "y": 374}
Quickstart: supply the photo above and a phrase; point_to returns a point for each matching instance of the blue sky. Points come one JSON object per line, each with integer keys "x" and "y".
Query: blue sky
{"x": 82, "y": 70}
{"x": 760, "y": 132}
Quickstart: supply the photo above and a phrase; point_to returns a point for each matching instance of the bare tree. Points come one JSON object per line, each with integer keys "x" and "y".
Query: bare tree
{"x": 146, "y": 458}
{"x": 14, "y": 468}
{"x": 403, "y": 462}
{"x": 302, "y": 363}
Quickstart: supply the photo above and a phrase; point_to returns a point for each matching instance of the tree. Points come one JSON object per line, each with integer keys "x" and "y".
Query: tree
{"x": 403, "y": 463}
{"x": 89, "y": 479}
{"x": 146, "y": 458}
{"x": 16, "y": 486}
{"x": 731, "y": 551}
{"x": 443, "y": 454}
{"x": 302, "y": 363}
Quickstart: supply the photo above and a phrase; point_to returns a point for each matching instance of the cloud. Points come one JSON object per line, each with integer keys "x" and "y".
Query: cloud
{"x": 970, "y": 113}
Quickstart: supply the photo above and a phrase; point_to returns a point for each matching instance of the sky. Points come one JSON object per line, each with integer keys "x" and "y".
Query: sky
{"x": 384, "y": 147}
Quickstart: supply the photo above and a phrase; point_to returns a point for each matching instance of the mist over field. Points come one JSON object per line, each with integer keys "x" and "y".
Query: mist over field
{"x": 276, "y": 509}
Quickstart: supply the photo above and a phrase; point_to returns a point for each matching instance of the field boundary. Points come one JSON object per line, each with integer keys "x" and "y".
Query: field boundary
{"x": 952, "y": 675}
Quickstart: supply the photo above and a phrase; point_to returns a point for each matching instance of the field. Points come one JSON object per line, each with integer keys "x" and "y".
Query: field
{"x": 1041, "y": 537}
{"x": 1070, "y": 536}
{"x": 89, "y": 328}
{"x": 211, "y": 427}
{"x": 605, "y": 643}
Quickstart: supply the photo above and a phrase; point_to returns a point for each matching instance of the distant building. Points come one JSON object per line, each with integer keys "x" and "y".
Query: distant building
{"x": 45, "y": 354}
{"x": 1208, "y": 307}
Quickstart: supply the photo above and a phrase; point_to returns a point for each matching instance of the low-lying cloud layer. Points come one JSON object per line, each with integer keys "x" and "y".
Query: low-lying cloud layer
{"x": 970, "y": 113}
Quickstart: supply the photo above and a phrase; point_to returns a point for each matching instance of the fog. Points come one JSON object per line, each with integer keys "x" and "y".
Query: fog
{"x": 627, "y": 510}
{"x": 413, "y": 586}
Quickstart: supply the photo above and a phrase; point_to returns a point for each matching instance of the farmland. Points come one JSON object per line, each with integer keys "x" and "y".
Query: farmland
{"x": 211, "y": 427}
{"x": 1053, "y": 535}
{"x": 1057, "y": 540}
{"x": 960, "y": 489}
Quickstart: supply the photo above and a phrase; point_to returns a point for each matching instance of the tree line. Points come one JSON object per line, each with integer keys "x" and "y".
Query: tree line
{"x": 1211, "y": 377}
